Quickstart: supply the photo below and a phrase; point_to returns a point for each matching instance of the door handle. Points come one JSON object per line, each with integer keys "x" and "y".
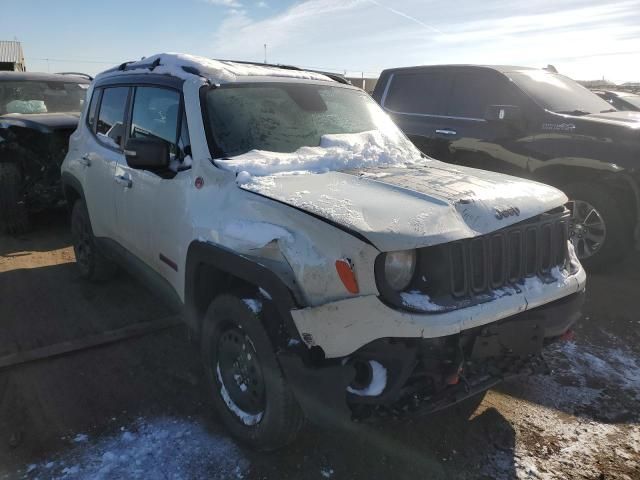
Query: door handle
{"x": 85, "y": 160}
{"x": 124, "y": 181}
{"x": 446, "y": 131}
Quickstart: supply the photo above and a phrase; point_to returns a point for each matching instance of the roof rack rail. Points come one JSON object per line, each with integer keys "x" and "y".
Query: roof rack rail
{"x": 76, "y": 74}
{"x": 336, "y": 77}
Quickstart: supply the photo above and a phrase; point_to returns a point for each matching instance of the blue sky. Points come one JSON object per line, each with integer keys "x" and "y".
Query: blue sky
{"x": 582, "y": 38}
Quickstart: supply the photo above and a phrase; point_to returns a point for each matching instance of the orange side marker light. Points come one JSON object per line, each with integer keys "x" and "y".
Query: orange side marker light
{"x": 345, "y": 272}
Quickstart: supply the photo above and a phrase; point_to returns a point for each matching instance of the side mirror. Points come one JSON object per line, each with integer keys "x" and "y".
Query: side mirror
{"x": 147, "y": 153}
{"x": 503, "y": 113}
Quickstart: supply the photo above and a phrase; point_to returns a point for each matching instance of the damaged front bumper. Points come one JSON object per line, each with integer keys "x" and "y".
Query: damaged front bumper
{"x": 423, "y": 375}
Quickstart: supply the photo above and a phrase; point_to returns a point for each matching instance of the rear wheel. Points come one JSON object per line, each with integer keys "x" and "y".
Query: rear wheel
{"x": 14, "y": 218}
{"x": 91, "y": 263}
{"x": 245, "y": 381}
{"x": 597, "y": 230}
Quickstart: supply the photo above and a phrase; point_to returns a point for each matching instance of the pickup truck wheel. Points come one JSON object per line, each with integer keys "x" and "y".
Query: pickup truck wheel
{"x": 247, "y": 386}
{"x": 14, "y": 218}
{"x": 597, "y": 229}
{"x": 91, "y": 263}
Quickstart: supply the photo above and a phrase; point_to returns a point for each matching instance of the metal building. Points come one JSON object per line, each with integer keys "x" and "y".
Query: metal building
{"x": 12, "y": 56}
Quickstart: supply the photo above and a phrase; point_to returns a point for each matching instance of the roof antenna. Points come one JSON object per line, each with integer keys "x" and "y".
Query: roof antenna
{"x": 265, "y": 53}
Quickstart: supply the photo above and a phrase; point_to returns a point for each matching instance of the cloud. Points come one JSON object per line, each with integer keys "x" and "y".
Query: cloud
{"x": 225, "y": 3}
{"x": 369, "y": 35}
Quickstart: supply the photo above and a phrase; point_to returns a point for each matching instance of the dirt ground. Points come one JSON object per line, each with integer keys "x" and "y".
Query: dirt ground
{"x": 138, "y": 409}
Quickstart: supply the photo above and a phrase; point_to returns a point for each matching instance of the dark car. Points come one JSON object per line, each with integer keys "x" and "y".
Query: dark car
{"x": 38, "y": 113}
{"x": 535, "y": 124}
{"x": 620, "y": 100}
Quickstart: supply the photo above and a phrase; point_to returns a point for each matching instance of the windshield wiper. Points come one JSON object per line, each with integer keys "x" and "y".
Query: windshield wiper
{"x": 574, "y": 112}
{"x": 609, "y": 110}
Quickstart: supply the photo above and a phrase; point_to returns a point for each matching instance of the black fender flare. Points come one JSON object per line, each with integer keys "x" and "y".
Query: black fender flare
{"x": 69, "y": 180}
{"x": 229, "y": 262}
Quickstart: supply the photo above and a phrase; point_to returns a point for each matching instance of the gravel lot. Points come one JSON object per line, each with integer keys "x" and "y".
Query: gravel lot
{"x": 137, "y": 409}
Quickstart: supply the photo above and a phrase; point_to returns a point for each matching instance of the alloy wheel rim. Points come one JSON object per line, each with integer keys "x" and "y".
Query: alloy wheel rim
{"x": 587, "y": 229}
{"x": 240, "y": 371}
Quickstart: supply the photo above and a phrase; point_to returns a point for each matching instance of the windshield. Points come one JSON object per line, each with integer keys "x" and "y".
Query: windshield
{"x": 41, "y": 97}
{"x": 558, "y": 93}
{"x": 281, "y": 117}
{"x": 632, "y": 99}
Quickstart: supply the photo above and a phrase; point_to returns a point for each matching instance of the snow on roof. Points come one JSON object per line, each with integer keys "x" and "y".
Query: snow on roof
{"x": 186, "y": 66}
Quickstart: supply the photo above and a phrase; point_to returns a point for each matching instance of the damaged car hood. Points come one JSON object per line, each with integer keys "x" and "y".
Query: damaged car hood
{"x": 419, "y": 205}
{"x": 43, "y": 122}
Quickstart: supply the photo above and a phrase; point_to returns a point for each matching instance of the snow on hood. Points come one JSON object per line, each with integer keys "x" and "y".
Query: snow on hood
{"x": 396, "y": 202}
{"x": 217, "y": 71}
{"x": 335, "y": 152}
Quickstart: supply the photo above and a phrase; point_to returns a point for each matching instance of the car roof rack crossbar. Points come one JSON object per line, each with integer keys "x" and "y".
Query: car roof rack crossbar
{"x": 76, "y": 74}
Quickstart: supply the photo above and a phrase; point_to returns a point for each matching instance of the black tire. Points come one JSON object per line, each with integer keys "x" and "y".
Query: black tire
{"x": 91, "y": 263}
{"x": 14, "y": 217}
{"x": 273, "y": 417}
{"x": 617, "y": 241}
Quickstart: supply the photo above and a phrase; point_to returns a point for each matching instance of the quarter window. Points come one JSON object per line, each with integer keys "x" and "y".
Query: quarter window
{"x": 155, "y": 115}
{"x": 110, "y": 127}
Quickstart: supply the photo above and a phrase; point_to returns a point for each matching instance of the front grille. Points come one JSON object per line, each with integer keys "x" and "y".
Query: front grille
{"x": 471, "y": 267}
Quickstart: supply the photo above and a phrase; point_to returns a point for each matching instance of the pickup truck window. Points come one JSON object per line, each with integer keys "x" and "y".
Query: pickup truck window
{"x": 280, "y": 117}
{"x": 473, "y": 92}
{"x": 558, "y": 93}
{"x": 417, "y": 93}
{"x": 110, "y": 127}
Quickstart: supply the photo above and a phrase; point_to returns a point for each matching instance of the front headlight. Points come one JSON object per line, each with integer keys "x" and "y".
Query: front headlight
{"x": 399, "y": 268}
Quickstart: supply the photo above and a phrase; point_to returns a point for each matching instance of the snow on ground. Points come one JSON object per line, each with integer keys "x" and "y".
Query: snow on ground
{"x": 572, "y": 424}
{"x": 150, "y": 449}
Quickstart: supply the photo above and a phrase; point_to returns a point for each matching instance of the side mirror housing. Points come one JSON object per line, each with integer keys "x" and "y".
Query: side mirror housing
{"x": 147, "y": 153}
{"x": 503, "y": 113}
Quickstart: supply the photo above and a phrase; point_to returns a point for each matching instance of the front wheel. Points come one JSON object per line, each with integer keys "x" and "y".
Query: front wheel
{"x": 245, "y": 381}
{"x": 598, "y": 231}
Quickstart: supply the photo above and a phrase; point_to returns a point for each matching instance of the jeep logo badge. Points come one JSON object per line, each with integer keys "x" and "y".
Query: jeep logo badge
{"x": 506, "y": 212}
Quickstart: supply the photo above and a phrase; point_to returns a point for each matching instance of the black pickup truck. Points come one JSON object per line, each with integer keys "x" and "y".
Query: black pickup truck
{"x": 530, "y": 123}
{"x": 38, "y": 113}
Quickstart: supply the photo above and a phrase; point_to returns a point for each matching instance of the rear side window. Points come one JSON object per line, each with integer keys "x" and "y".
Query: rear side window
{"x": 473, "y": 92}
{"x": 110, "y": 126}
{"x": 155, "y": 115}
{"x": 417, "y": 93}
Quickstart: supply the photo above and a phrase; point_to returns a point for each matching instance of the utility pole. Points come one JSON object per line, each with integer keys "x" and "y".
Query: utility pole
{"x": 265, "y": 53}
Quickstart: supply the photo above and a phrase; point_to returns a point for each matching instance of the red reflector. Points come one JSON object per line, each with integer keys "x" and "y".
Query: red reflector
{"x": 567, "y": 336}
{"x": 345, "y": 272}
{"x": 453, "y": 379}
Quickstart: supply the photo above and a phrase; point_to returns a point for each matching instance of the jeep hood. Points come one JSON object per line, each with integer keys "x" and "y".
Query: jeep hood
{"x": 422, "y": 204}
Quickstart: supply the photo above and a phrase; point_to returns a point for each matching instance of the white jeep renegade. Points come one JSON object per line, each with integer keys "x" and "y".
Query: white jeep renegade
{"x": 326, "y": 267}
